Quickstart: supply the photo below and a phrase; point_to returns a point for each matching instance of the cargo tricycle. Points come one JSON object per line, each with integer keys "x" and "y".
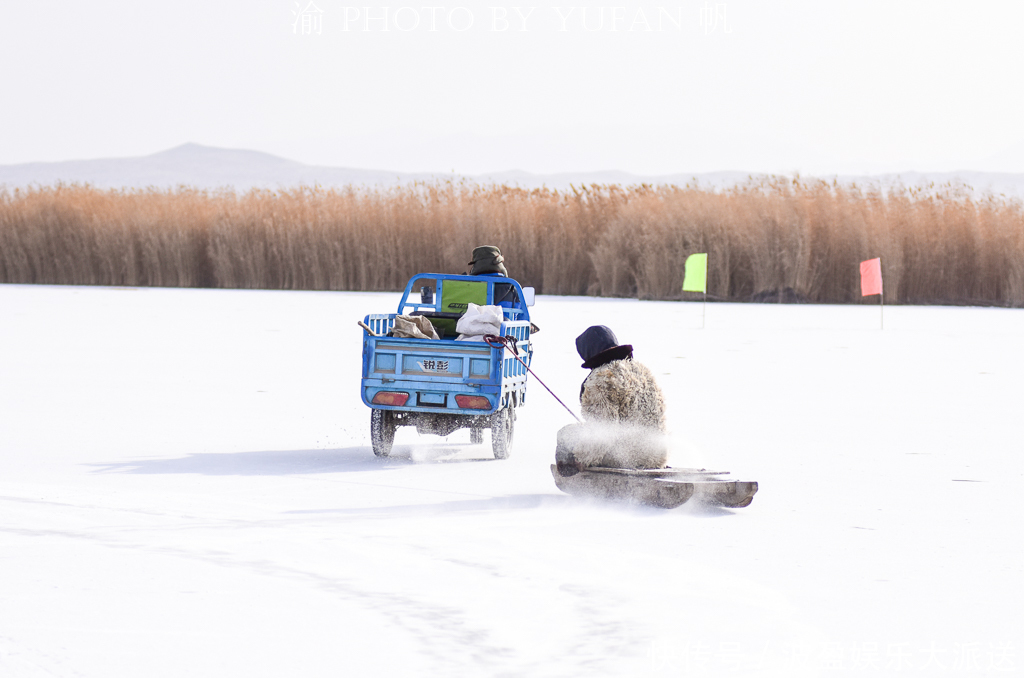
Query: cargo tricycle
{"x": 442, "y": 385}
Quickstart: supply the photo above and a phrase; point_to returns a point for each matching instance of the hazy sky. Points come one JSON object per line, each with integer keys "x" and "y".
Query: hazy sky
{"x": 655, "y": 88}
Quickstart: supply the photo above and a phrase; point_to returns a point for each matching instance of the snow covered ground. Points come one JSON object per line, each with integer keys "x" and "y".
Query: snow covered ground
{"x": 187, "y": 488}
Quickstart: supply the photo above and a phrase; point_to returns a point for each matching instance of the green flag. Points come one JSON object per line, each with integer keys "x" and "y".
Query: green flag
{"x": 696, "y": 279}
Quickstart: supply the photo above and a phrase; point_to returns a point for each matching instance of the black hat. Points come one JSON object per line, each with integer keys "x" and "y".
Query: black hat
{"x": 487, "y": 259}
{"x": 598, "y": 346}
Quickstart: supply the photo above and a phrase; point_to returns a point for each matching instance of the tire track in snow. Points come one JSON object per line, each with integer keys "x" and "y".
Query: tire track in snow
{"x": 422, "y": 620}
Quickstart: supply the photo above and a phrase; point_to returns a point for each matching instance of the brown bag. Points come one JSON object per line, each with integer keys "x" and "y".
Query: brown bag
{"x": 414, "y": 327}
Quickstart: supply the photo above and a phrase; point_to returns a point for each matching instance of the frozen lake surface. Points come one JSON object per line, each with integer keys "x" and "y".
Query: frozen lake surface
{"x": 187, "y": 488}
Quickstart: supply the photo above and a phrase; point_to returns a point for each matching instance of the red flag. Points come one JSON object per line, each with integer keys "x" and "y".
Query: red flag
{"x": 871, "y": 277}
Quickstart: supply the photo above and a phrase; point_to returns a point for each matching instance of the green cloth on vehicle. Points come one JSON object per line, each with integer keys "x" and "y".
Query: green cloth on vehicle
{"x": 456, "y": 296}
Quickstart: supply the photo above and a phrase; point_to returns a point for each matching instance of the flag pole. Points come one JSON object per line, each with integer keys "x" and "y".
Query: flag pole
{"x": 704, "y": 311}
{"x": 881, "y": 311}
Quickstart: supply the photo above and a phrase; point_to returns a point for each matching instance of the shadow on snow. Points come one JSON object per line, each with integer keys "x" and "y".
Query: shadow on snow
{"x": 362, "y": 459}
{"x": 298, "y": 462}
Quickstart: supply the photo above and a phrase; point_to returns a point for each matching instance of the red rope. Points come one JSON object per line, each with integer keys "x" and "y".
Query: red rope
{"x": 494, "y": 341}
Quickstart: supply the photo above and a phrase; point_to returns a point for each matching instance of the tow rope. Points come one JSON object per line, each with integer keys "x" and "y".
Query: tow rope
{"x": 511, "y": 345}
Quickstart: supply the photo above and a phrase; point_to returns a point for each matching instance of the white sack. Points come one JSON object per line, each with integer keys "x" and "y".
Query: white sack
{"x": 478, "y": 321}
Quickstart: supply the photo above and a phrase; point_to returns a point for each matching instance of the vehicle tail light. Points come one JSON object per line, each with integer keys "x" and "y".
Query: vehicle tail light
{"x": 473, "y": 402}
{"x": 393, "y": 398}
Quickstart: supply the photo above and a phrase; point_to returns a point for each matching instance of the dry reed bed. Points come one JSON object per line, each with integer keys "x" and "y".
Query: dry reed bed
{"x": 600, "y": 240}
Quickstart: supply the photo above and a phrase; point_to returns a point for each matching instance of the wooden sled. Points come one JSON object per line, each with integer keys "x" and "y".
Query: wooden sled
{"x": 661, "y": 487}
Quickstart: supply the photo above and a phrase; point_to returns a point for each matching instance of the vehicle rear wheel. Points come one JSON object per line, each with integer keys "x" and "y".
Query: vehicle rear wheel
{"x": 502, "y": 431}
{"x": 382, "y": 431}
{"x": 476, "y": 436}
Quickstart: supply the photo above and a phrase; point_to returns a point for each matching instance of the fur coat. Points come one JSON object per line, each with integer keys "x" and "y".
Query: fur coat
{"x": 623, "y": 391}
{"x": 625, "y": 421}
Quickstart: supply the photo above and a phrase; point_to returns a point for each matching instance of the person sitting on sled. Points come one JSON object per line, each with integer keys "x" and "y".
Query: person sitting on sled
{"x": 623, "y": 407}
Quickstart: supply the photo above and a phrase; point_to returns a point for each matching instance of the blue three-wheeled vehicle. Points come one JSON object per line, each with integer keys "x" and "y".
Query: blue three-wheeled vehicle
{"x": 443, "y": 385}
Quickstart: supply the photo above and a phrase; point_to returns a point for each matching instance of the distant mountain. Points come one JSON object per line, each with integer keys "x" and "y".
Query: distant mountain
{"x": 211, "y": 168}
{"x": 194, "y": 165}
{"x": 998, "y": 184}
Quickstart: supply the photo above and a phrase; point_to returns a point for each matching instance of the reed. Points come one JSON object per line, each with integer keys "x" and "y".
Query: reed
{"x": 938, "y": 246}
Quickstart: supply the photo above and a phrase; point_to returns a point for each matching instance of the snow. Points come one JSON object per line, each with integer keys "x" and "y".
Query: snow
{"x": 187, "y": 488}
